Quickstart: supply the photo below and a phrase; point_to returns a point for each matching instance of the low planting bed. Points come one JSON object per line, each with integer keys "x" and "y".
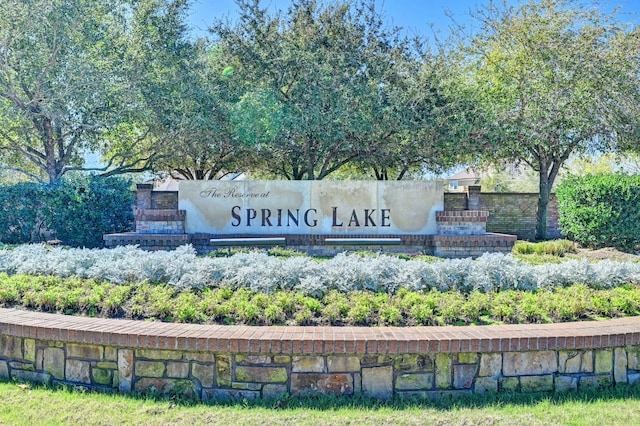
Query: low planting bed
{"x": 255, "y": 311}
{"x": 282, "y": 288}
{"x": 144, "y": 301}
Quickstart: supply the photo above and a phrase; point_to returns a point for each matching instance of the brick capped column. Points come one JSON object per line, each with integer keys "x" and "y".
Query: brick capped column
{"x": 473, "y": 194}
{"x": 465, "y": 222}
{"x": 143, "y": 196}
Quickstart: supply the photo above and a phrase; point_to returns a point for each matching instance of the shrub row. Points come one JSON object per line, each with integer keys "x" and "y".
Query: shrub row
{"x": 601, "y": 210}
{"x": 78, "y": 210}
{"x": 228, "y": 306}
{"x": 261, "y": 273}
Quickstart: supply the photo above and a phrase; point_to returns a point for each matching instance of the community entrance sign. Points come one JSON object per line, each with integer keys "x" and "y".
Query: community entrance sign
{"x": 311, "y": 207}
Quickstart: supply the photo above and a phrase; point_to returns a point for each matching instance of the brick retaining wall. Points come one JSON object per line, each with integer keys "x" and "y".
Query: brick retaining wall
{"x": 509, "y": 213}
{"x": 218, "y": 362}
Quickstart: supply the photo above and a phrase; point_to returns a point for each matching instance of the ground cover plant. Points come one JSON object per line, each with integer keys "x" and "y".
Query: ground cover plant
{"x": 37, "y": 405}
{"x": 286, "y": 288}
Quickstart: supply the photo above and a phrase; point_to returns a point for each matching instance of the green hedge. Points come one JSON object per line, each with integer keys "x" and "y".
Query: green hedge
{"x": 601, "y": 210}
{"x": 77, "y": 210}
{"x": 21, "y": 212}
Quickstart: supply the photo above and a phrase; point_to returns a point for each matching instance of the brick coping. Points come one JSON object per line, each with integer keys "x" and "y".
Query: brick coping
{"x": 320, "y": 340}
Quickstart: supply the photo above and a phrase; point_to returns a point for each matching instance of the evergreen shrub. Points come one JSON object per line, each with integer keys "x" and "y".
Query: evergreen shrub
{"x": 77, "y": 210}
{"x": 601, "y": 210}
{"x": 21, "y": 213}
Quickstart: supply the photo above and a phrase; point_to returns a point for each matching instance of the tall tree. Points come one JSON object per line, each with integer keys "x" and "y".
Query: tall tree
{"x": 195, "y": 125}
{"x": 425, "y": 109}
{"x": 187, "y": 96}
{"x": 553, "y": 79}
{"x": 318, "y": 82}
{"x": 67, "y": 87}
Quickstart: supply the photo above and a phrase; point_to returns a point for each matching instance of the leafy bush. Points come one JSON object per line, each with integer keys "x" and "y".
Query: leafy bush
{"x": 21, "y": 212}
{"x": 77, "y": 210}
{"x": 82, "y": 209}
{"x": 601, "y": 210}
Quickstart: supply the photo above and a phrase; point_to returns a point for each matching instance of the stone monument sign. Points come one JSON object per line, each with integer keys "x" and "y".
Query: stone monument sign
{"x": 311, "y": 207}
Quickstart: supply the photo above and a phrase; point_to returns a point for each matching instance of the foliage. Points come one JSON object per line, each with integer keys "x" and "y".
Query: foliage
{"x": 21, "y": 213}
{"x": 550, "y": 79}
{"x": 553, "y": 248}
{"x": 82, "y": 209}
{"x": 601, "y": 210}
{"x": 76, "y": 210}
{"x": 261, "y": 273}
{"x": 187, "y": 94}
{"x": 224, "y": 305}
{"x": 65, "y": 85}
{"x": 326, "y": 85}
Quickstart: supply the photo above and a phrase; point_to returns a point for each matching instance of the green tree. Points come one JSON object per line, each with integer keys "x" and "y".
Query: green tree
{"x": 67, "y": 87}
{"x": 322, "y": 84}
{"x": 417, "y": 132}
{"x": 187, "y": 97}
{"x": 553, "y": 79}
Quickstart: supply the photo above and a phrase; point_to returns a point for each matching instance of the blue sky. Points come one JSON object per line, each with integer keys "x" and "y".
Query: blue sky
{"x": 415, "y": 16}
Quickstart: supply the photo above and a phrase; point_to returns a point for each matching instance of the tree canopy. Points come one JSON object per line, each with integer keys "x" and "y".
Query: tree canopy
{"x": 325, "y": 86}
{"x": 188, "y": 100}
{"x": 63, "y": 82}
{"x": 551, "y": 79}
{"x": 320, "y": 89}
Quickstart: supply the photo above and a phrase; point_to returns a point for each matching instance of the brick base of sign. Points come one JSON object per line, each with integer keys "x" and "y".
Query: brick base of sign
{"x": 465, "y": 222}
{"x": 462, "y": 246}
{"x": 449, "y": 246}
{"x": 239, "y": 362}
{"x": 149, "y": 242}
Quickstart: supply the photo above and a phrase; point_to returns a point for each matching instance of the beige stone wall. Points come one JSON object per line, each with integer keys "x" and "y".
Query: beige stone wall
{"x": 206, "y": 375}
{"x": 311, "y": 207}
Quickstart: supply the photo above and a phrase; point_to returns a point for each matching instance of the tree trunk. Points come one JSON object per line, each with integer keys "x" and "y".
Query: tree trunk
{"x": 543, "y": 202}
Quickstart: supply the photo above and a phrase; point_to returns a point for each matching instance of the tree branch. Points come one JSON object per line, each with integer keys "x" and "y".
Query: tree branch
{"x": 24, "y": 172}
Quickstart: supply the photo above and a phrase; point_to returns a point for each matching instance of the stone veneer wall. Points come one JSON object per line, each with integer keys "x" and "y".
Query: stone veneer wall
{"x": 160, "y": 221}
{"x": 220, "y": 362}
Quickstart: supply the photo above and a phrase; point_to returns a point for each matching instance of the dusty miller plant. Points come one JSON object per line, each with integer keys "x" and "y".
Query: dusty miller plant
{"x": 345, "y": 272}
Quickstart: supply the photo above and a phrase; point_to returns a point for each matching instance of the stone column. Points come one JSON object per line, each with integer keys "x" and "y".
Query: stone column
{"x": 473, "y": 197}
{"x": 143, "y": 196}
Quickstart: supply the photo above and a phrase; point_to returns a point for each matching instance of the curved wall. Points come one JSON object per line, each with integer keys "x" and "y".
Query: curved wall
{"x": 218, "y": 362}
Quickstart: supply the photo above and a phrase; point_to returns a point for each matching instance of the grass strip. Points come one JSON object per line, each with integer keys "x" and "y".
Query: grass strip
{"x": 34, "y": 405}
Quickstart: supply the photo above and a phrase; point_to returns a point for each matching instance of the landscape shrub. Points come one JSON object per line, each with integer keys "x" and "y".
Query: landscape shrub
{"x": 550, "y": 248}
{"x": 261, "y": 273}
{"x": 21, "y": 213}
{"x": 164, "y": 302}
{"x": 77, "y": 210}
{"x": 601, "y": 210}
{"x": 81, "y": 209}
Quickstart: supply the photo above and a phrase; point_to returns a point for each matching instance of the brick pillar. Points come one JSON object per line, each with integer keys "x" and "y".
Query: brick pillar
{"x": 473, "y": 197}
{"x": 143, "y": 196}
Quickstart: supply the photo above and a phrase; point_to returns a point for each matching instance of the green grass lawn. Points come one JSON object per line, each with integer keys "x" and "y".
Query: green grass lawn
{"x": 31, "y": 405}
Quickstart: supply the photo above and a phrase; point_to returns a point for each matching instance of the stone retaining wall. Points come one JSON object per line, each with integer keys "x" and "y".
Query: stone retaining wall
{"x": 220, "y": 362}
{"x": 155, "y": 221}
